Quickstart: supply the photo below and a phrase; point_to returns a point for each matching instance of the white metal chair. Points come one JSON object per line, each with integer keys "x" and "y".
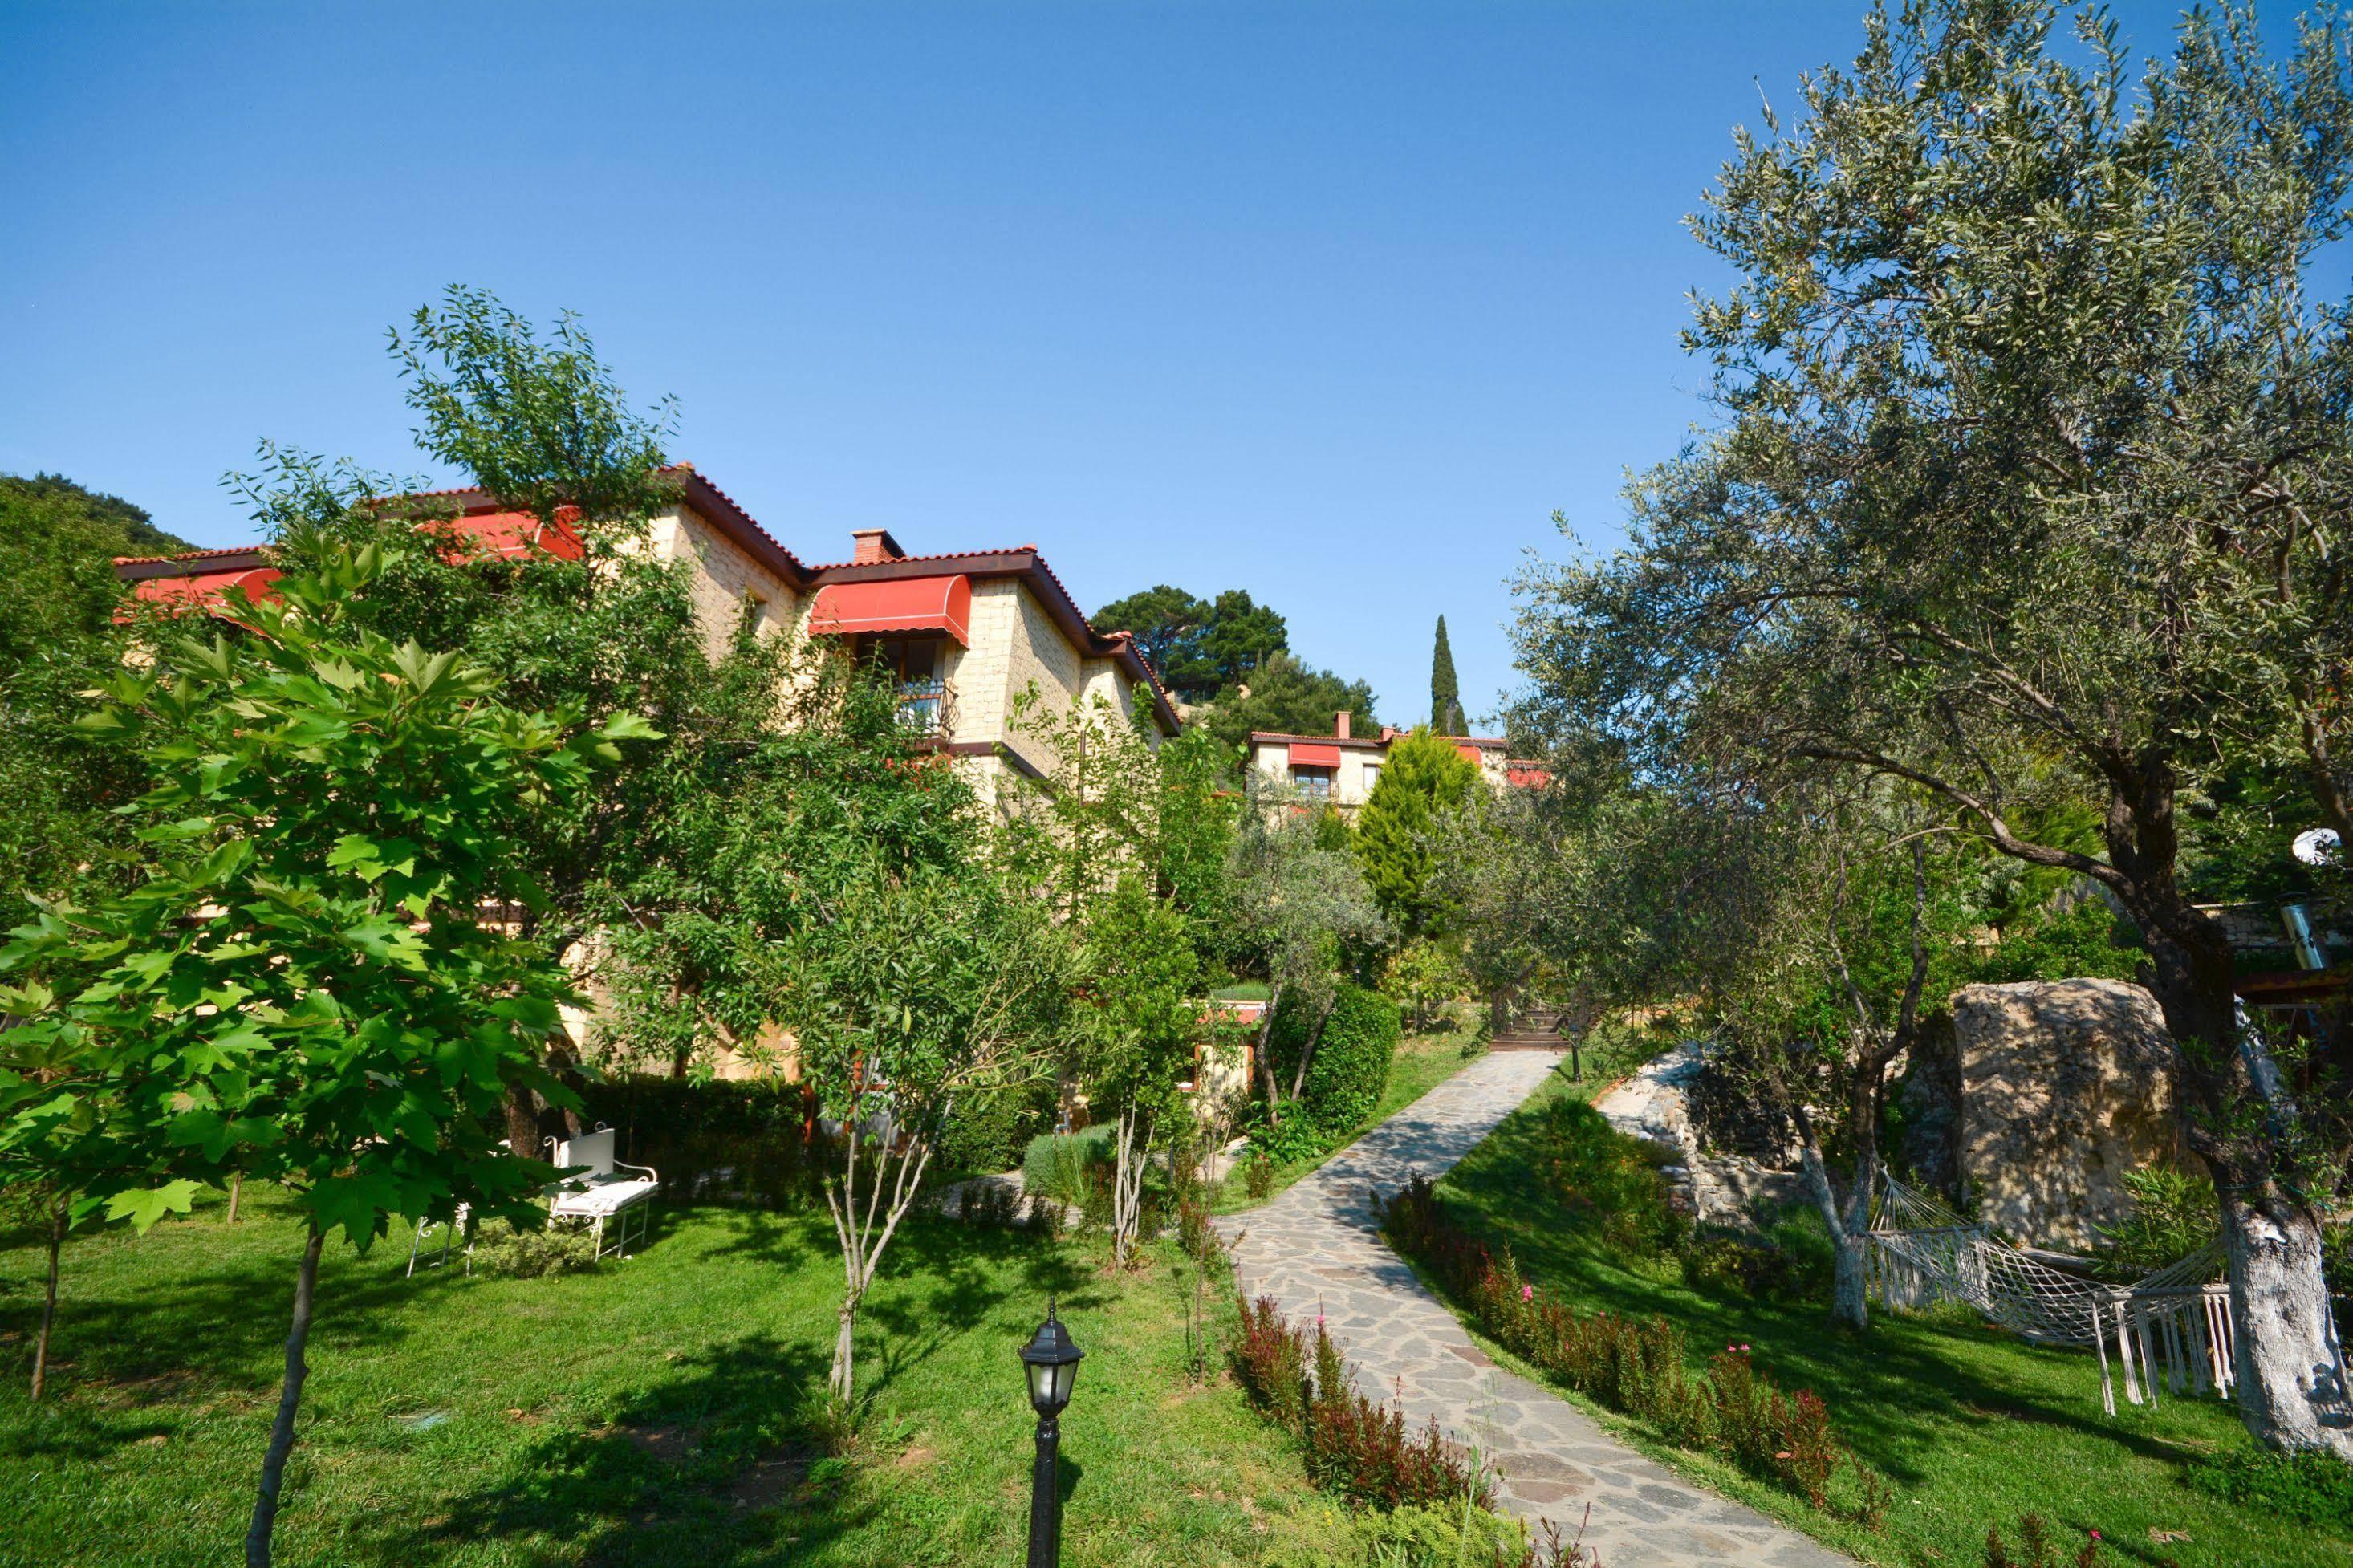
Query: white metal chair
{"x": 597, "y": 1191}
{"x": 449, "y": 1232}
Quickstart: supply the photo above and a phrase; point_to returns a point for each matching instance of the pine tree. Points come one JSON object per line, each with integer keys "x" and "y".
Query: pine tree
{"x": 1445, "y": 693}
{"x": 1423, "y": 779}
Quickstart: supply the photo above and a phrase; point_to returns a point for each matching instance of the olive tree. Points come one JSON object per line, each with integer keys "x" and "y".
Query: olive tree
{"x": 1295, "y": 910}
{"x": 2029, "y": 493}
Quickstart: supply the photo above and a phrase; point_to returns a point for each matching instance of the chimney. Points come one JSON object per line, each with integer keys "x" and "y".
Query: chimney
{"x": 875, "y": 544}
{"x": 1340, "y": 724}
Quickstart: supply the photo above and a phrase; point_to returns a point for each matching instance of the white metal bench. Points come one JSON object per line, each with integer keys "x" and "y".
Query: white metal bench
{"x": 598, "y": 1191}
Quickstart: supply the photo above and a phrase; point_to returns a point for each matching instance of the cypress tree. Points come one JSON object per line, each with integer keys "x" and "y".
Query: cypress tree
{"x": 1445, "y": 695}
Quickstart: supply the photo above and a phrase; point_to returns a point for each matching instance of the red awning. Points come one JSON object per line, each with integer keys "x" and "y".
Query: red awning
{"x": 203, "y": 591}
{"x": 1305, "y": 755}
{"x": 507, "y": 534}
{"x": 896, "y": 604}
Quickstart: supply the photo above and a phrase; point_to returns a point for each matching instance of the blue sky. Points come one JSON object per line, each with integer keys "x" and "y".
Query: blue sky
{"x": 1334, "y": 303}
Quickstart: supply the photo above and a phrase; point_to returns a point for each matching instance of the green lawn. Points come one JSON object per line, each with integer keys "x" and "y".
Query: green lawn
{"x": 651, "y": 1413}
{"x": 1974, "y": 1426}
{"x": 1422, "y": 1062}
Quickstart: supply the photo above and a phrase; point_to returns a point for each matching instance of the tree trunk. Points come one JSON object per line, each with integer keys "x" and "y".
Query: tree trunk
{"x": 1850, "y": 1308}
{"x": 523, "y": 1124}
{"x": 49, "y": 1302}
{"x": 1266, "y": 1055}
{"x": 236, "y": 1194}
{"x": 289, "y": 1398}
{"x": 1850, "y": 1300}
{"x": 1127, "y": 1189}
{"x": 845, "y": 1343}
{"x": 2290, "y": 1366}
{"x": 864, "y": 1234}
{"x": 1307, "y": 1052}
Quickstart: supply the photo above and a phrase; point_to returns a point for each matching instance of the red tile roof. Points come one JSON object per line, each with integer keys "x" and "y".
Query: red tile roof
{"x": 709, "y": 502}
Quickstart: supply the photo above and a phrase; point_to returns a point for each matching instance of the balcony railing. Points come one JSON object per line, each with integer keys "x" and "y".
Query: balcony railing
{"x": 926, "y": 707}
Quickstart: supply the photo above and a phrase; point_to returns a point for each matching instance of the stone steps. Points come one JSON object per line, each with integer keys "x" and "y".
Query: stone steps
{"x": 1536, "y": 1032}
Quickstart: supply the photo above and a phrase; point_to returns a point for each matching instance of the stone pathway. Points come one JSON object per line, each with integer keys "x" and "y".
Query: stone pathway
{"x": 1314, "y": 1249}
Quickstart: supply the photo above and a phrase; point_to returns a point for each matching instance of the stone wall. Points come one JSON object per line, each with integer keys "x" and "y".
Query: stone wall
{"x": 2065, "y": 1086}
{"x": 721, "y": 578}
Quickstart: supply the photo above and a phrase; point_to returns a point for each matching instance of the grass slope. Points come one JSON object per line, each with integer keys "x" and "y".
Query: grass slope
{"x": 652, "y": 1413}
{"x": 1974, "y": 1426}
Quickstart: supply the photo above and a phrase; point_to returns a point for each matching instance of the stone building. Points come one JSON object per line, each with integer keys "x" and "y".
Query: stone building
{"x": 965, "y": 632}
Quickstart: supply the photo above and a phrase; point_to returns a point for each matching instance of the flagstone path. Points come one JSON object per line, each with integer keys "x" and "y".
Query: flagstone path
{"x": 1314, "y": 1249}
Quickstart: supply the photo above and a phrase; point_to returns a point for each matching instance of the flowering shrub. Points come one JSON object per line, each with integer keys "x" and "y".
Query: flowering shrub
{"x": 1355, "y": 1448}
{"x": 1638, "y": 1365}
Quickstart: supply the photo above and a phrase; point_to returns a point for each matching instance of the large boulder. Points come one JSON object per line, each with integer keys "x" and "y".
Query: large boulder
{"x": 2065, "y": 1086}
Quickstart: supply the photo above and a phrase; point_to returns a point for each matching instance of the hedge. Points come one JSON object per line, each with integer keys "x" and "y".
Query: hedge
{"x": 1351, "y": 1069}
{"x": 724, "y": 1140}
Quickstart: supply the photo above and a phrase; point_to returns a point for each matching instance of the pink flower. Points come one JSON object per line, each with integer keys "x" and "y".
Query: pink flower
{"x": 1527, "y": 1292}
{"x": 2095, "y": 1535}
{"x": 1743, "y": 1349}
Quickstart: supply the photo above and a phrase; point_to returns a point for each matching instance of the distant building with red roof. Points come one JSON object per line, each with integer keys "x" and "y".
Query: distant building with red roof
{"x": 1340, "y": 769}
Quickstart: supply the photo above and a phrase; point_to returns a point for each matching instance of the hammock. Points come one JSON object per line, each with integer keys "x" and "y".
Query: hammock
{"x": 2173, "y": 1328}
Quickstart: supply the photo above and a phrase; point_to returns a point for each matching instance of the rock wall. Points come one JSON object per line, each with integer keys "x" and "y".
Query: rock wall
{"x": 1719, "y": 1186}
{"x": 2065, "y": 1086}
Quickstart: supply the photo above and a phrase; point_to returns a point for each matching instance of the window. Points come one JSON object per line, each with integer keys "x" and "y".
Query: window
{"x": 1315, "y": 783}
{"x": 1372, "y": 776}
{"x": 922, "y": 693}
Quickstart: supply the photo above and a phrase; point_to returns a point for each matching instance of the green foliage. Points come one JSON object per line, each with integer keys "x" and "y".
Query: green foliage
{"x": 2173, "y": 1216}
{"x": 1421, "y": 1535}
{"x": 132, "y": 527}
{"x": 2082, "y": 940}
{"x": 1419, "y": 973}
{"x": 1291, "y": 697}
{"x": 1351, "y": 1065}
{"x": 1423, "y": 781}
{"x": 1792, "y": 1261}
{"x": 1200, "y": 648}
{"x": 1599, "y": 1172}
{"x": 1056, "y": 1163}
{"x": 58, "y": 639}
{"x": 1126, "y": 835}
{"x": 299, "y": 986}
{"x": 991, "y": 1133}
{"x": 502, "y": 1247}
{"x": 540, "y": 426}
{"x": 2310, "y": 1487}
{"x": 757, "y": 825}
{"x": 712, "y": 1139}
{"x": 1445, "y": 690}
{"x": 1294, "y": 910}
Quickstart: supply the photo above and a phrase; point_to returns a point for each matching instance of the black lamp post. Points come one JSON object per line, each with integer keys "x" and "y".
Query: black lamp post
{"x": 1052, "y": 1363}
